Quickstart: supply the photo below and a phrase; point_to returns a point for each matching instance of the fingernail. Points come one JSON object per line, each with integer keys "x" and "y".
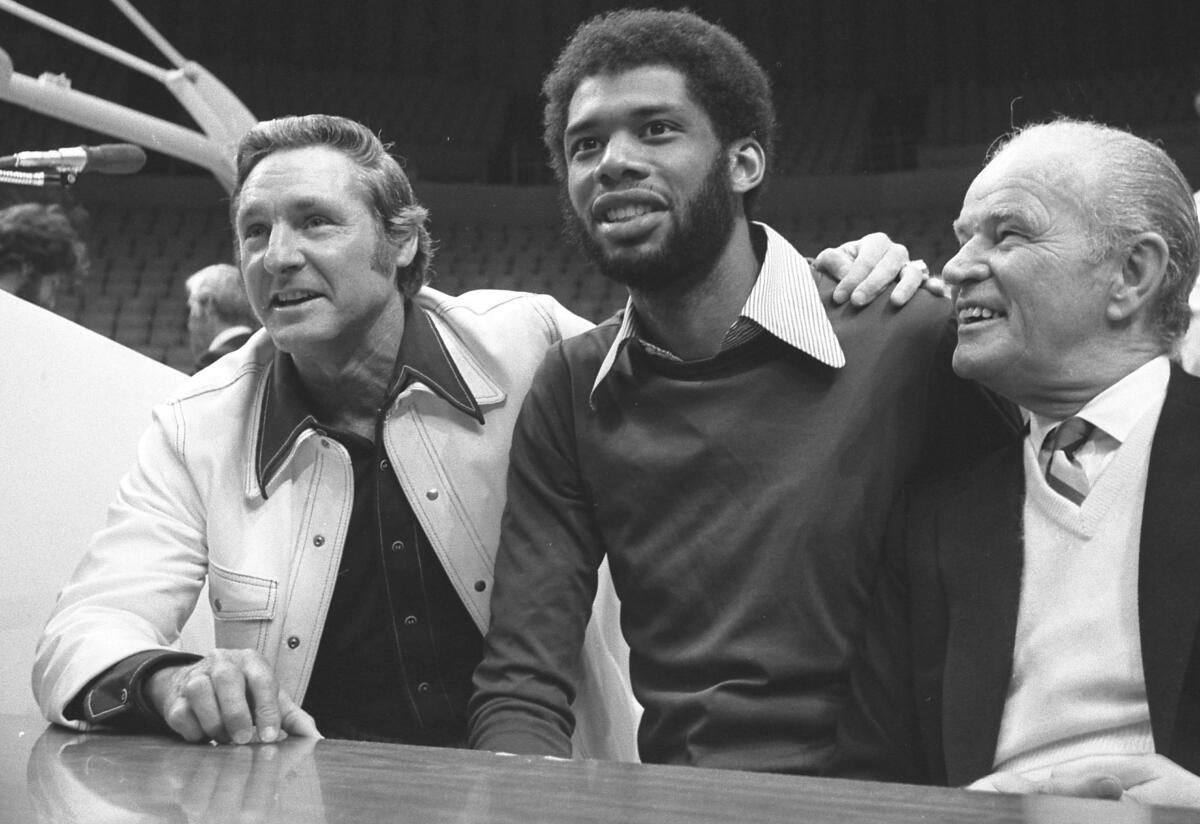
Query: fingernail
{"x": 268, "y": 734}
{"x": 242, "y": 737}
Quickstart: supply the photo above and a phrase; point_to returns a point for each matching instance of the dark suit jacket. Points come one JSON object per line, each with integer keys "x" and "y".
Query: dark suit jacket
{"x": 929, "y": 689}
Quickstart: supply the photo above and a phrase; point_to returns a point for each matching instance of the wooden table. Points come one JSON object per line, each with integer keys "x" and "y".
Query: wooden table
{"x": 54, "y": 775}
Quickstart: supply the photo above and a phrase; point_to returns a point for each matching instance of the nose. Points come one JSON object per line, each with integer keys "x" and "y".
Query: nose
{"x": 621, "y": 160}
{"x": 966, "y": 265}
{"x": 283, "y": 251}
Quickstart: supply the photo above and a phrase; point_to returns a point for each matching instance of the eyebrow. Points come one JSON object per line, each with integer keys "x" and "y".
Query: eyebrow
{"x": 301, "y": 204}
{"x": 1000, "y": 214}
{"x": 639, "y": 113}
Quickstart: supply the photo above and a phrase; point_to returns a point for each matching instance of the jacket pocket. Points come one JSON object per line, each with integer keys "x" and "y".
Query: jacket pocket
{"x": 235, "y": 596}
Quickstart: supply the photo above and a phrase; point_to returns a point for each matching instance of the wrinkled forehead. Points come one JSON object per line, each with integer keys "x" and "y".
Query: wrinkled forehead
{"x": 1050, "y": 162}
{"x": 302, "y": 175}
{"x": 1039, "y": 178}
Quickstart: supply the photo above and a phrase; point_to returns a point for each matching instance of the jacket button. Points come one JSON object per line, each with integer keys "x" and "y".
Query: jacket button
{"x": 217, "y": 604}
{"x": 383, "y": 464}
{"x": 318, "y": 540}
{"x": 325, "y": 442}
{"x": 293, "y": 642}
{"x": 480, "y": 586}
{"x": 397, "y": 546}
{"x": 410, "y": 620}
{"x": 432, "y": 494}
{"x": 422, "y": 687}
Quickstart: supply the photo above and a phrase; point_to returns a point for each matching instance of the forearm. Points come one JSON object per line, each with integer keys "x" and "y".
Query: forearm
{"x": 545, "y": 582}
{"x": 527, "y": 680}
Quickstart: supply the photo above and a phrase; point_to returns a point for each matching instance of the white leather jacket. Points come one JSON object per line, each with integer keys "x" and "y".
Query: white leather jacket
{"x": 191, "y": 510}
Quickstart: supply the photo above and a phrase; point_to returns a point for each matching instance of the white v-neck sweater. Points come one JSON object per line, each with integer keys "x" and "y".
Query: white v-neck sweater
{"x": 1077, "y": 686}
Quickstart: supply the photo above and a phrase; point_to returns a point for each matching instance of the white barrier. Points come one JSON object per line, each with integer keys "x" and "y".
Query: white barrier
{"x": 72, "y": 406}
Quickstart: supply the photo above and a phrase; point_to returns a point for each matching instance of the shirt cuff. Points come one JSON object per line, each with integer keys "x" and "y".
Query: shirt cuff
{"x": 116, "y": 697}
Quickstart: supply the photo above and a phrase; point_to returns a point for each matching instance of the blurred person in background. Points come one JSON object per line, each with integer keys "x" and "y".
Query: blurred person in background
{"x": 220, "y": 319}
{"x": 41, "y": 253}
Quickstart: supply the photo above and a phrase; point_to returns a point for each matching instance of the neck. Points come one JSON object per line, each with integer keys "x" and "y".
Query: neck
{"x": 348, "y": 386}
{"x": 692, "y": 323}
{"x": 1064, "y": 395}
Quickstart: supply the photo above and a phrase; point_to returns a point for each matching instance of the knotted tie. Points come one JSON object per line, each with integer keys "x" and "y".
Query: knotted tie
{"x": 1063, "y": 472}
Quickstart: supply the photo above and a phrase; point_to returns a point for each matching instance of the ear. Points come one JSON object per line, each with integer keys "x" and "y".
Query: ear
{"x": 747, "y": 165}
{"x": 407, "y": 250}
{"x": 1143, "y": 267}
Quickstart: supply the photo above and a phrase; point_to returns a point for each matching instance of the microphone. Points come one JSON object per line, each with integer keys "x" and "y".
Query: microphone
{"x": 109, "y": 159}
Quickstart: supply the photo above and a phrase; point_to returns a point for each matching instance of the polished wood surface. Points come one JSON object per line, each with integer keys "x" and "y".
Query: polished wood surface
{"x": 54, "y": 775}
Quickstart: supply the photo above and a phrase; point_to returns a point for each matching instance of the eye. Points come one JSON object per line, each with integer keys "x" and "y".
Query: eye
{"x": 582, "y": 145}
{"x": 316, "y": 221}
{"x": 253, "y": 231}
{"x": 658, "y": 128}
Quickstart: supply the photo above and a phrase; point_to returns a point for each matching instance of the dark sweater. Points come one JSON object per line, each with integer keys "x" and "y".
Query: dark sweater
{"x": 741, "y": 502}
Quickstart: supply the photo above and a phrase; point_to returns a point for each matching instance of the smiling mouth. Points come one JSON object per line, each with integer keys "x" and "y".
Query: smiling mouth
{"x": 627, "y": 206}
{"x": 977, "y": 314}
{"x": 293, "y": 297}
{"x": 626, "y": 213}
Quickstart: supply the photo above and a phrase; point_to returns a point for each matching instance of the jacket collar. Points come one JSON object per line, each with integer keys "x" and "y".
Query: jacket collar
{"x": 984, "y": 567}
{"x": 285, "y": 410}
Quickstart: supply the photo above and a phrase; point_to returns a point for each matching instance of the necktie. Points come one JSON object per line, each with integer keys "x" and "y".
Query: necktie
{"x": 1063, "y": 472}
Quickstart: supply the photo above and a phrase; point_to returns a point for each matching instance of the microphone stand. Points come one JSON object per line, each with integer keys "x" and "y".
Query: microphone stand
{"x": 42, "y": 178}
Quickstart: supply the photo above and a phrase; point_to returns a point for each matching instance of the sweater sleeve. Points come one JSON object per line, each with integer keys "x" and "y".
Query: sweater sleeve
{"x": 545, "y": 581}
{"x": 877, "y": 736}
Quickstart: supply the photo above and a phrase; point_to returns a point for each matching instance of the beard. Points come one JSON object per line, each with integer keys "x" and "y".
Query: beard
{"x": 698, "y": 233}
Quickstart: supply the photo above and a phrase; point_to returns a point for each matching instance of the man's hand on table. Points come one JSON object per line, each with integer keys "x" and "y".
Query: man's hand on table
{"x": 1149, "y": 779}
{"x": 229, "y": 696}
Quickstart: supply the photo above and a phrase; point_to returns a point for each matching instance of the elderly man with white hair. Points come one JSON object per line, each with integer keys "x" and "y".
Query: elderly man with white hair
{"x": 1037, "y": 626}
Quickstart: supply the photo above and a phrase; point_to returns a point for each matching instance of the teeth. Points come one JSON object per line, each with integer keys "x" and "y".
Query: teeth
{"x": 294, "y": 296}
{"x": 974, "y": 313}
{"x": 622, "y": 213}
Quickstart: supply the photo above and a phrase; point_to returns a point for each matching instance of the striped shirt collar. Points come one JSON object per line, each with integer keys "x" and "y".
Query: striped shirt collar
{"x": 784, "y": 302}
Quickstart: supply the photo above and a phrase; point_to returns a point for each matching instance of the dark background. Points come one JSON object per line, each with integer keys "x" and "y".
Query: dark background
{"x": 886, "y": 110}
{"x": 374, "y": 59}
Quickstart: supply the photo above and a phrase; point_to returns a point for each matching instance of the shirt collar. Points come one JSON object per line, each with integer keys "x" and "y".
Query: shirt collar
{"x": 784, "y": 301}
{"x": 286, "y": 411}
{"x": 1118, "y": 408}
